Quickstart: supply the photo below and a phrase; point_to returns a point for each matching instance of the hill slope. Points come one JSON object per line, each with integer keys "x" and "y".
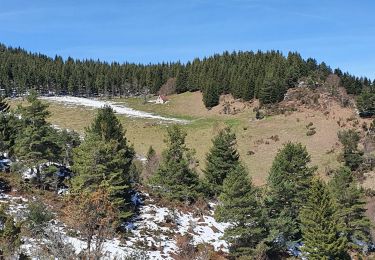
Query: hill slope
{"x": 258, "y": 140}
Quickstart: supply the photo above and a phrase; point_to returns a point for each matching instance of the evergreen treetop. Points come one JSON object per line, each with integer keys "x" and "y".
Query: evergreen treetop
{"x": 322, "y": 228}
{"x": 221, "y": 159}
{"x": 176, "y": 178}
{"x": 239, "y": 206}
{"x": 36, "y": 143}
{"x": 36, "y": 112}
{"x": 104, "y": 160}
{"x": 107, "y": 126}
{"x": 9, "y": 124}
{"x": 211, "y": 95}
{"x": 351, "y": 209}
{"x": 288, "y": 183}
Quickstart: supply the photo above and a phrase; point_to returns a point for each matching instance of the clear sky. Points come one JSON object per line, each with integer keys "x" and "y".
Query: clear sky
{"x": 342, "y": 33}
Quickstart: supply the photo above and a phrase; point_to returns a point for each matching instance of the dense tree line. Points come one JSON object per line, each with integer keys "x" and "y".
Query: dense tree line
{"x": 246, "y": 75}
{"x": 21, "y": 71}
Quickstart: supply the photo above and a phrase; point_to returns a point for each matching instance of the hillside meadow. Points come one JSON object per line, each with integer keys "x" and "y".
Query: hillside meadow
{"x": 258, "y": 140}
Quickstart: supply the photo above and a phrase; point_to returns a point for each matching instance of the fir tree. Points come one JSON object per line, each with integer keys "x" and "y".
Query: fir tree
{"x": 10, "y": 127}
{"x": 351, "y": 210}
{"x": 322, "y": 229}
{"x": 366, "y": 103}
{"x": 107, "y": 126}
{"x": 211, "y": 96}
{"x": 272, "y": 90}
{"x": 222, "y": 158}
{"x": 240, "y": 207}
{"x": 36, "y": 113}
{"x": 288, "y": 183}
{"x": 36, "y": 143}
{"x": 352, "y": 156}
{"x": 10, "y": 237}
{"x": 181, "y": 81}
{"x": 175, "y": 177}
{"x": 104, "y": 160}
{"x": 267, "y": 92}
{"x": 7, "y": 127}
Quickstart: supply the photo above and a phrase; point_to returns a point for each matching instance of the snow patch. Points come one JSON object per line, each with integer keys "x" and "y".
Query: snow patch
{"x": 154, "y": 230}
{"x": 119, "y": 109}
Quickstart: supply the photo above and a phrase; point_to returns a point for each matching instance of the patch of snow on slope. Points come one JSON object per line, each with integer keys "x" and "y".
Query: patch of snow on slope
{"x": 160, "y": 225}
{"x": 155, "y": 231}
{"x": 120, "y": 109}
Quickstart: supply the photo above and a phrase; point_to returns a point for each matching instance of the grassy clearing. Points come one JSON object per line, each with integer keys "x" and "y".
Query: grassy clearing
{"x": 255, "y": 145}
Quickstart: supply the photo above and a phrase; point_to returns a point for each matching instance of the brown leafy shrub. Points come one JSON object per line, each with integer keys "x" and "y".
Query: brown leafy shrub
{"x": 94, "y": 216}
{"x": 186, "y": 249}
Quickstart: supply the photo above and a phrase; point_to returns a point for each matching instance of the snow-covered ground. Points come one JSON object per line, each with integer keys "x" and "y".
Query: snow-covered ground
{"x": 120, "y": 109}
{"x": 158, "y": 227}
{"x": 154, "y": 231}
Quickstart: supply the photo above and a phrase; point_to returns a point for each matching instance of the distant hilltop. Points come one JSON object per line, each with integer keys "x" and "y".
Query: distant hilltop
{"x": 246, "y": 75}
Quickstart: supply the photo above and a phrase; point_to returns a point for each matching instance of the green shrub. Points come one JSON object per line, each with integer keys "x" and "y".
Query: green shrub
{"x": 38, "y": 216}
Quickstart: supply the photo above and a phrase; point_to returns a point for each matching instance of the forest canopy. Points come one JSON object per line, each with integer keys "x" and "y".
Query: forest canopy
{"x": 244, "y": 74}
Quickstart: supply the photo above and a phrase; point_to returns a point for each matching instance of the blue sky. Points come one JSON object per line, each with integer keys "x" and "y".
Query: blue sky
{"x": 342, "y": 33}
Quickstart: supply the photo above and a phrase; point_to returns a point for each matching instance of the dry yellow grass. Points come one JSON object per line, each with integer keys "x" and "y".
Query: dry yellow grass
{"x": 252, "y": 135}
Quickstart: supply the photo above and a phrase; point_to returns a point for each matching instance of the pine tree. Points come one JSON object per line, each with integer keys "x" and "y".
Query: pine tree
{"x": 107, "y": 126}
{"x": 175, "y": 177}
{"x": 211, "y": 96}
{"x": 352, "y": 156}
{"x": 181, "y": 81}
{"x": 7, "y": 129}
{"x": 272, "y": 90}
{"x": 288, "y": 183}
{"x": 222, "y": 158}
{"x": 322, "y": 230}
{"x": 10, "y": 127}
{"x": 10, "y": 236}
{"x": 104, "y": 160}
{"x": 351, "y": 208}
{"x": 36, "y": 113}
{"x": 36, "y": 143}
{"x": 240, "y": 207}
